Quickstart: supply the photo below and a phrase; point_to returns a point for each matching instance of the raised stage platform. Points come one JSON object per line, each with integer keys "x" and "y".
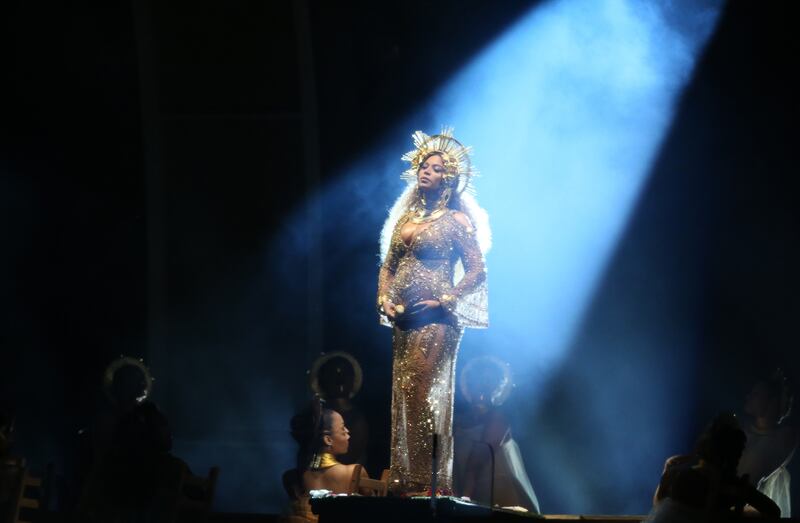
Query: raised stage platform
{"x": 356, "y": 509}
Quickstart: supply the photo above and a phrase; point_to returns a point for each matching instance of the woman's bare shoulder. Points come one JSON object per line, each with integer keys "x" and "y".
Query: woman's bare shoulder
{"x": 463, "y": 219}
{"x": 341, "y": 471}
{"x": 677, "y": 461}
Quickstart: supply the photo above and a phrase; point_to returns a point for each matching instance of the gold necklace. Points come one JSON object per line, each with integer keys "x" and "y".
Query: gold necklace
{"x": 421, "y": 218}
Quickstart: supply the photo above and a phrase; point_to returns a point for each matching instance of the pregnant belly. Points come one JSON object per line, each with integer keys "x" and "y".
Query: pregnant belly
{"x": 415, "y": 283}
{"x": 412, "y": 292}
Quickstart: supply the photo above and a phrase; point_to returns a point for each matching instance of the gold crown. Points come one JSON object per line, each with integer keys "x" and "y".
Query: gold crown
{"x": 455, "y": 157}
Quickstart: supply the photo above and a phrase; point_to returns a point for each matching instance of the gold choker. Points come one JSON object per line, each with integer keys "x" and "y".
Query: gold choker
{"x": 323, "y": 461}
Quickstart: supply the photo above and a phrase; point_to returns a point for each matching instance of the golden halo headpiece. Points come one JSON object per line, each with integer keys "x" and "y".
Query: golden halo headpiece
{"x": 455, "y": 156}
{"x": 325, "y": 358}
{"x": 127, "y": 361}
{"x": 503, "y": 387}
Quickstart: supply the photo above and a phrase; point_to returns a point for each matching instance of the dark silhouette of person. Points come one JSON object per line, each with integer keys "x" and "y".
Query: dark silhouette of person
{"x": 706, "y": 482}
{"x": 126, "y": 384}
{"x": 138, "y": 479}
{"x": 771, "y": 441}
{"x": 10, "y": 466}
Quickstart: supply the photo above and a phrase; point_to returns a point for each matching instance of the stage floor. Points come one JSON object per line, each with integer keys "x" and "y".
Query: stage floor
{"x": 355, "y": 509}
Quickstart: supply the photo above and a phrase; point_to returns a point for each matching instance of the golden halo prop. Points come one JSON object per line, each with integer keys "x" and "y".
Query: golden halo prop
{"x": 325, "y": 358}
{"x": 127, "y": 361}
{"x": 501, "y": 392}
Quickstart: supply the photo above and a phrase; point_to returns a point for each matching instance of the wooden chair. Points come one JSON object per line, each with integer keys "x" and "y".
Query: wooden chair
{"x": 374, "y": 487}
{"x": 196, "y": 495}
{"x": 26, "y": 501}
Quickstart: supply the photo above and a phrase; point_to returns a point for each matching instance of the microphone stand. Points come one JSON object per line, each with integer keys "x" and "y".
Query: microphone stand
{"x": 434, "y": 473}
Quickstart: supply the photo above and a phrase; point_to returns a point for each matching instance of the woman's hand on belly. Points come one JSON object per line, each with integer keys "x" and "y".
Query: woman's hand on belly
{"x": 390, "y": 309}
{"x": 424, "y": 306}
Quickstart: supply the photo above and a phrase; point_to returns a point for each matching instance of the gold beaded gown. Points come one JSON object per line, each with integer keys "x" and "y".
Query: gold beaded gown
{"x": 441, "y": 262}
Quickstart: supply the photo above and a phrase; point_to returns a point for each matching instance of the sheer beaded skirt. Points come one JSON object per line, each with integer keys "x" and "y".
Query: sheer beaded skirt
{"x": 422, "y": 404}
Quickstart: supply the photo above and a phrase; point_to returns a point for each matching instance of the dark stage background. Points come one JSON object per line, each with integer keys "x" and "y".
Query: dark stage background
{"x": 154, "y": 152}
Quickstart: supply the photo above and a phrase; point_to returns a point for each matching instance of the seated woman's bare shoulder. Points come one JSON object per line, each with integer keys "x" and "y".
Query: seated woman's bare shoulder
{"x": 341, "y": 472}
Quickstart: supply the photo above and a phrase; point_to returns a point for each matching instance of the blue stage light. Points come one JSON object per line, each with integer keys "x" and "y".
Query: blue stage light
{"x": 566, "y": 112}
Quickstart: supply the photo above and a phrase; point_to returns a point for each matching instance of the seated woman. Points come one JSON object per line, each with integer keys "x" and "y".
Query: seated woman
{"x": 321, "y": 435}
{"x": 771, "y": 441}
{"x": 483, "y": 442}
{"x": 336, "y": 377}
{"x": 705, "y": 484}
{"x": 138, "y": 478}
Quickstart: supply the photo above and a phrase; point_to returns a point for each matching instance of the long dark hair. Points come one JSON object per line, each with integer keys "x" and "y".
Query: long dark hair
{"x": 722, "y": 443}
{"x": 308, "y": 429}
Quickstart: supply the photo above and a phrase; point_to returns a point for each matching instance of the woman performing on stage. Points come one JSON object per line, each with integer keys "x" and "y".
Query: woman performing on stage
{"x": 432, "y": 284}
